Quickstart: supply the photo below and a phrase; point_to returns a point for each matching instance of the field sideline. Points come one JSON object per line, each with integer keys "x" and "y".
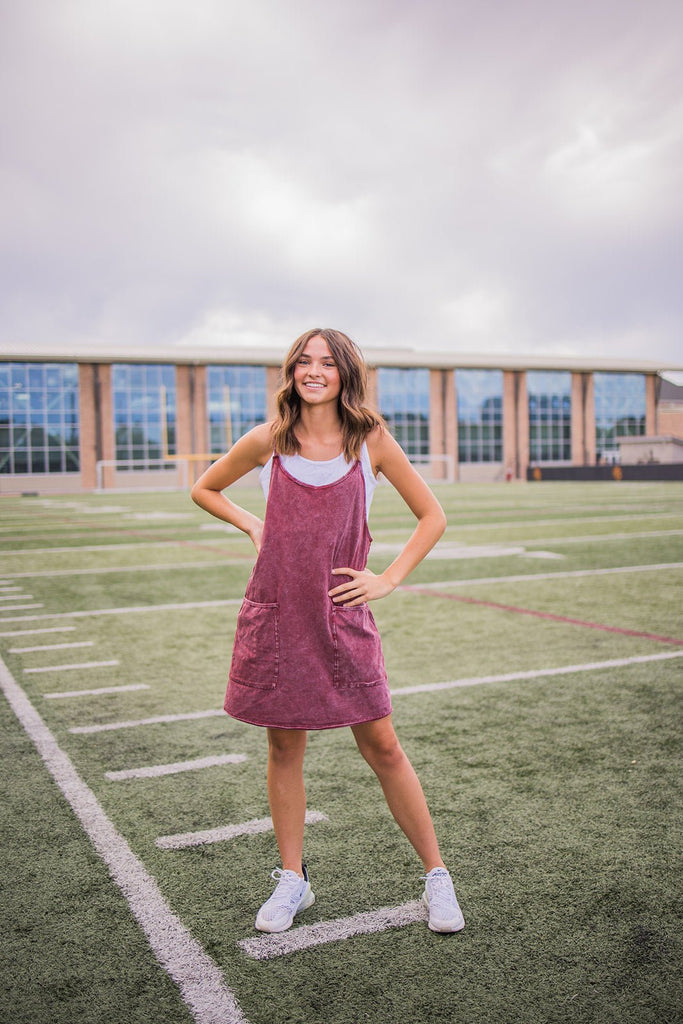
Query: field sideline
{"x": 536, "y": 663}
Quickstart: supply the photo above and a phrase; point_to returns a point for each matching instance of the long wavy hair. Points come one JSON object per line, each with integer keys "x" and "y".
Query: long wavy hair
{"x": 356, "y": 418}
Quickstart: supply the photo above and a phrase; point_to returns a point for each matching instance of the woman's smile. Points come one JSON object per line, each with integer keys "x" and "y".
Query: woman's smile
{"x": 316, "y": 372}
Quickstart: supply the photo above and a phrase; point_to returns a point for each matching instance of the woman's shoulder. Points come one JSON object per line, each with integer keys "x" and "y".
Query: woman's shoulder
{"x": 259, "y": 441}
{"x": 379, "y": 443}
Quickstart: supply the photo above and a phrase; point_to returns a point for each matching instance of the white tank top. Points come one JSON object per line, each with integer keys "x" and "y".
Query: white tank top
{"x": 310, "y": 471}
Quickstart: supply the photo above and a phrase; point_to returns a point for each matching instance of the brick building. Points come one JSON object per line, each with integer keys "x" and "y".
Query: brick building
{"x": 113, "y": 418}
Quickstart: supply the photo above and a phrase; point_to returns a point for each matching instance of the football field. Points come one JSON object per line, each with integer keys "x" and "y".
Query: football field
{"x": 536, "y": 666}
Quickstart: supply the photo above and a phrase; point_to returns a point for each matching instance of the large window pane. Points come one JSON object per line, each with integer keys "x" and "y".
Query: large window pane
{"x": 39, "y": 411}
{"x": 619, "y": 409}
{"x": 404, "y": 403}
{"x": 480, "y": 415}
{"x": 236, "y": 402}
{"x": 144, "y": 413}
{"x": 550, "y": 416}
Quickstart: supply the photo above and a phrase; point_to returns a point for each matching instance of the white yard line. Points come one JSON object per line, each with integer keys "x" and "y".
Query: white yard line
{"x": 264, "y": 947}
{"x": 82, "y": 730}
{"x": 559, "y": 541}
{"x": 156, "y": 771}
{"x": 197, "y": 976}
{"x": 16, "y": 596}
{"x": 141, "y": 544}
{"x": 52, "y": 647}
{"x": 539, "y": 673}
{"x": 69, "y": 668}
{"x": 572, "y": 520}
{"x": 217, "y": 835}
{"x": 126, "y": 611}
{"x": 524, "y": 577}
{"x": 18, "y": 608}
{"x": 96, "y": 693}
{"x": 165, "y": 567}
{"x": 45, "y": 629}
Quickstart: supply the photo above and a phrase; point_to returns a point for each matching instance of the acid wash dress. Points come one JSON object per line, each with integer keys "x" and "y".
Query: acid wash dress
{"x": 299, "y": 661}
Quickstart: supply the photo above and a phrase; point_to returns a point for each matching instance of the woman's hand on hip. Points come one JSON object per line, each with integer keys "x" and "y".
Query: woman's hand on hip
{"x": 363, "y": 586}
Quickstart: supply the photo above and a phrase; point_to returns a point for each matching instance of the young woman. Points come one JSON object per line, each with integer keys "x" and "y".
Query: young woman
{"x": 307, "y": 654}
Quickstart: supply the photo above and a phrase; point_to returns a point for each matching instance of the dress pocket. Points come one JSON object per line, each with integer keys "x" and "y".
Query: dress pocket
{"x": 358, "y": 658}
{"x": 256, "y": 652}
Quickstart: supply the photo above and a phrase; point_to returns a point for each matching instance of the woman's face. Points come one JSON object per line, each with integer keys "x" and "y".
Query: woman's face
{"x": 316, "y": 376}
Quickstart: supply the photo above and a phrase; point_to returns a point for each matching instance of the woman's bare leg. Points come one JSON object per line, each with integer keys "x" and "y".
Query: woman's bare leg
{"x": 380, "y": 747}
{"x": 287, "y": 794}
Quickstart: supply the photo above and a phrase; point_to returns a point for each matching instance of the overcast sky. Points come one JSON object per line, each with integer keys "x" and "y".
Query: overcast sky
{"x": 478, "y": 176}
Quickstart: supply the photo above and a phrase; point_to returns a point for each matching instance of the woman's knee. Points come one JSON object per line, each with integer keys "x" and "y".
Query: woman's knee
{"x": 382, "y": 750}
{"x": 286, "y": 745}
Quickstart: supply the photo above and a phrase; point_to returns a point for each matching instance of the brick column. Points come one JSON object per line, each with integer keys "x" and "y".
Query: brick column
{"x": 437, "y": 423}
{"x": 578, "y": 420}
{"x": 511, "y": 453}
{"x": 87, "y": 426}
{"x": 590, "y": 443}
{"x": 450, "y": 421}
{"x": 272, "y": 387}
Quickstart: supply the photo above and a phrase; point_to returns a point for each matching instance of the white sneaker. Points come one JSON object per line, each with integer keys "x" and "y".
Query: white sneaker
{"x": 292, "y": 894}
{"x": 445, "y": 914}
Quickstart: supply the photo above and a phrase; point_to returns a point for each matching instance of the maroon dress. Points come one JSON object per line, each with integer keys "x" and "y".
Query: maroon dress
{"x": 300, "y": 661}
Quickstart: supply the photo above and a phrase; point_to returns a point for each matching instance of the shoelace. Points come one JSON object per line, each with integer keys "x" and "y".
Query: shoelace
{"x": 439, "y": 888}
{"x": 288, "y": 889}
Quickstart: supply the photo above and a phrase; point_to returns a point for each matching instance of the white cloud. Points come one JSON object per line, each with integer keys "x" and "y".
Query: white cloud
{"x": 441, "y": 174}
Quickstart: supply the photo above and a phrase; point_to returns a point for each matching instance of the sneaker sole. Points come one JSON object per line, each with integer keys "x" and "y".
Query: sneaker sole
{"x": 444, "y": 927}
{"x": 267, "y": 926}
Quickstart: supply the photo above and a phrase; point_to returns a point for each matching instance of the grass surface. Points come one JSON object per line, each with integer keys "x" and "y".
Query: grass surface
{"x": 556, "y": 798}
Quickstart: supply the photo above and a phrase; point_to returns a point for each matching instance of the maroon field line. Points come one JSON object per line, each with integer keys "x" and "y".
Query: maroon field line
{"x": 543, "y": 615}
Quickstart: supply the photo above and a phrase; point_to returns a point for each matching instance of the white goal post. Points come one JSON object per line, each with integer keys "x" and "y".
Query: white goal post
{"x": 435, "y": 468}
{"x": 142, "y": 474}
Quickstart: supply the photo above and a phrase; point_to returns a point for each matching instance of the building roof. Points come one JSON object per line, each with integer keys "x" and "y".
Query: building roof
{"x": 269, "y": 356}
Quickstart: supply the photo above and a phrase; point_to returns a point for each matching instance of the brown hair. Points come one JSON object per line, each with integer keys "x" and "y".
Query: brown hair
{"x": 356, "y": 418}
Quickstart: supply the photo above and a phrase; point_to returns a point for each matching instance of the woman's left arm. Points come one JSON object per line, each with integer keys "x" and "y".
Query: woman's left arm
{"x": 389, "y": 459}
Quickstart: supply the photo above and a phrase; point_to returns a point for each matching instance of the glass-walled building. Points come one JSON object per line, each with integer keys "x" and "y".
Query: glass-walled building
{"x": 107, "y": 421}
{"x": 144, "y": 402}
{"x": 403, "y": 400}
{"x": 479, "y": 395}
{"x": 236, "y": 402}
{"x": 619, "y": 409}
{"x": 39, "y": 421}
{"x": 550, "y": 416}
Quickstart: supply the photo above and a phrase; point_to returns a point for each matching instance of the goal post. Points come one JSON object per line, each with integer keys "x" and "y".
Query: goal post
{"x": 142, "y": 474}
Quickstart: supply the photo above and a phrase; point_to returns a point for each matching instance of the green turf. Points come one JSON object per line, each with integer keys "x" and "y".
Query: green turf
{"x": 557, "y": 799}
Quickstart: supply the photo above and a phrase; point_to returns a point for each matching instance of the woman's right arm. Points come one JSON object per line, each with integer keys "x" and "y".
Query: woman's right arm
{"x": 252, "y": 450}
